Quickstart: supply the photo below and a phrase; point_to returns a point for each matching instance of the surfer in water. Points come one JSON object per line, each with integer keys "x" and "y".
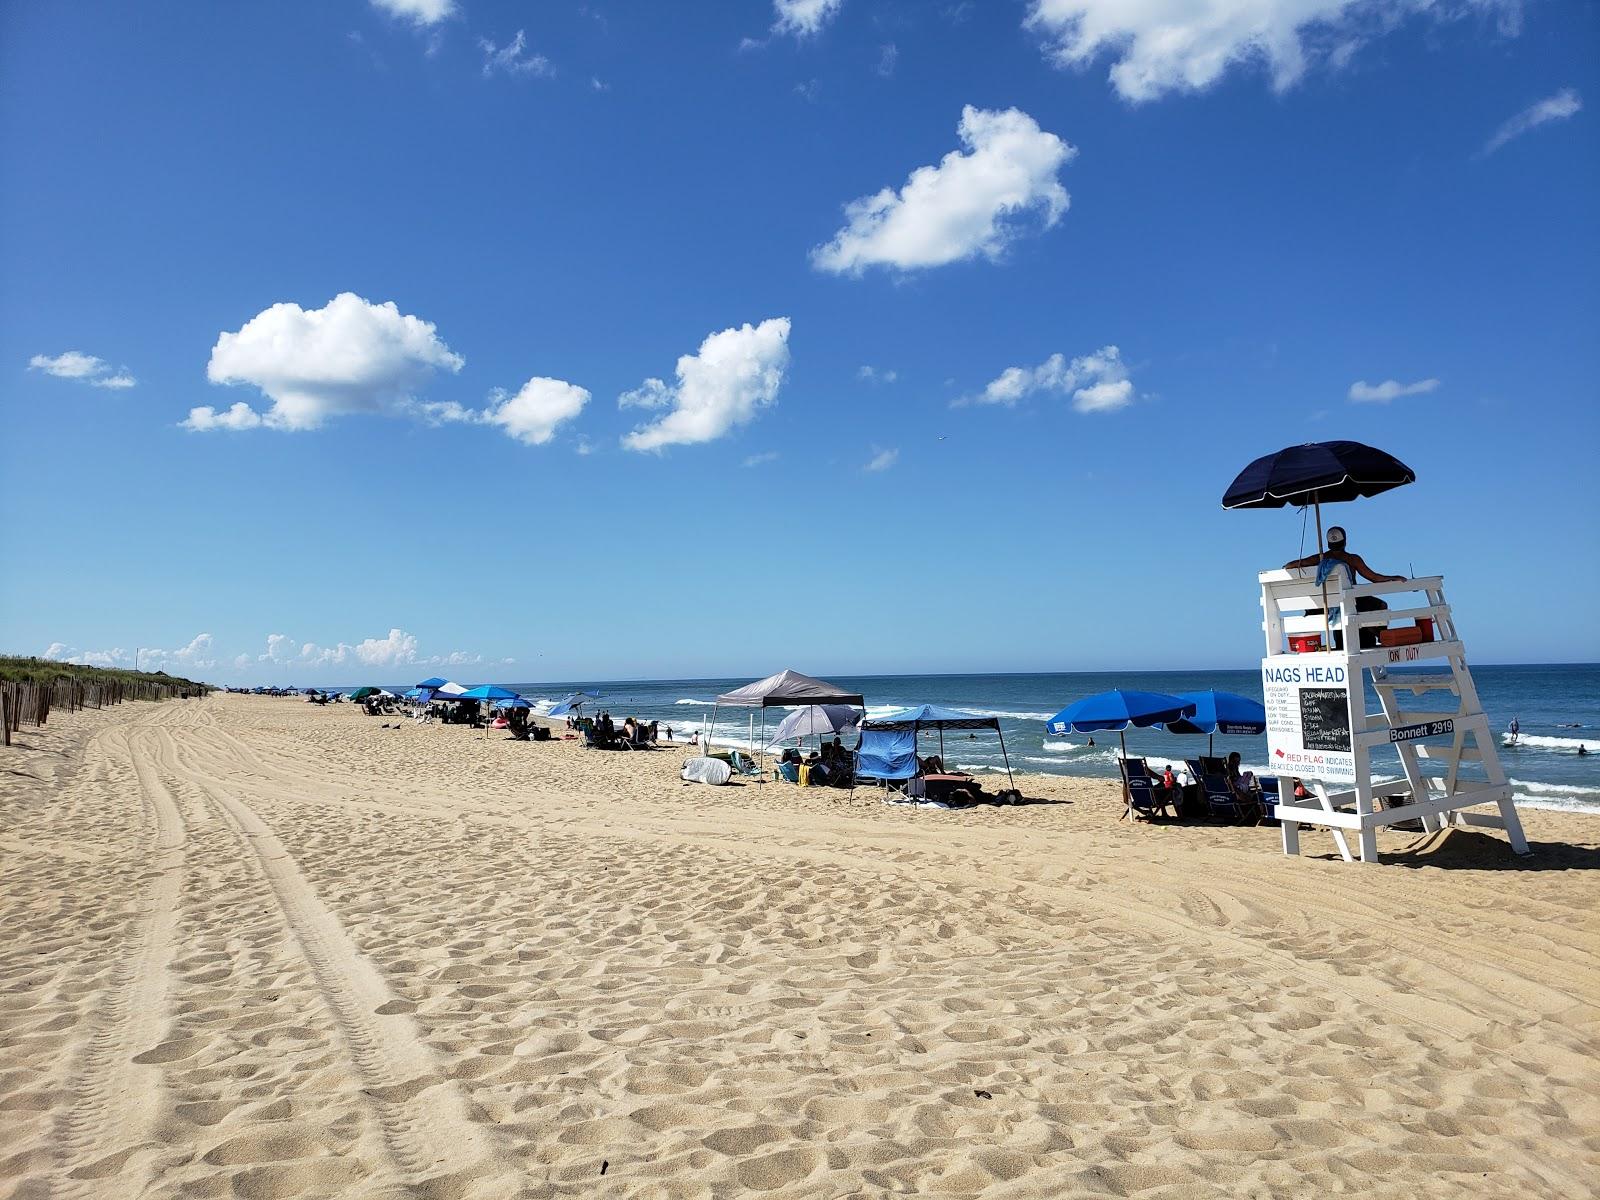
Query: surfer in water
{"x": 1514, "y": 729}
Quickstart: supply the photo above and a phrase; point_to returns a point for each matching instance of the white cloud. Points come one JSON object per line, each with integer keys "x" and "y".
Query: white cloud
{"x": 1381, "y": 393}
{"x": 512, "y": 58}
{"x": 1565, "y": 103}
{"x": 803, "y": 18}
{"x": 1163, "y": 46}
{"x": 1097, "y": 382}
{"x": 965, "y": 207}
{"x": 351, "y": 356}
{"x": 756, "y": 460}
{"x": 882, "y": 460}
{"x": 735, "y": 375}
{"x": 397, "y": 649}
{"x": 206, "y": 419}
{"x": 420, "y": 13}
{"x": 652, "y": 393}
{"x": 280, "y": 648}
{"x": 85, "y": 368}
{"x": 537, "y": 410}
{"x": 888, "y": 56}
{"x": 196, "y": 656}
{"x": 877, "y": 374}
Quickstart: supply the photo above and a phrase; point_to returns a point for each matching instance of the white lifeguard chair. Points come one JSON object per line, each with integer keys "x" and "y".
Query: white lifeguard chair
{"x": 1314, "y": 678}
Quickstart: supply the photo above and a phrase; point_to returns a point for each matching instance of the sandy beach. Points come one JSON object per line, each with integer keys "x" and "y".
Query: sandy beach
{"x": 258, "y": 948}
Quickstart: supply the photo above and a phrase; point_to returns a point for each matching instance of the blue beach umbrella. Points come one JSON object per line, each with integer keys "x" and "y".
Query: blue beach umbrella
{"x": 1220, "y": 712}
{"x": 488, "y": 692}
{"x": 517, "y": 702}
{"x": 435, "y": 682}
{"x": 1117, "y": 709}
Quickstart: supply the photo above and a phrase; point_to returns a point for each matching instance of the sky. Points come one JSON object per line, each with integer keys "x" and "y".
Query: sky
{"x": 356, "y": 340}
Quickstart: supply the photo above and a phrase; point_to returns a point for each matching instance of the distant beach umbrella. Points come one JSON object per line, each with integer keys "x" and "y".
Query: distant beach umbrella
{"x": 1117, "y": 709}
{"x": 435, "y": 682}
{"x": 573, "y": 703}
{"x": 488, "y": 692}
{"x": 816, "y": 720}
{"x": 1220, "y": 712}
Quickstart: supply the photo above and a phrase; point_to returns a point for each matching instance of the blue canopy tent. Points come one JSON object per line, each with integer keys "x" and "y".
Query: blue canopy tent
{"x": 1220, "y": 712}
{"x": 435, "y": 682}
{"x": 1117, "y": 709}
{"x": 932, "y": 716}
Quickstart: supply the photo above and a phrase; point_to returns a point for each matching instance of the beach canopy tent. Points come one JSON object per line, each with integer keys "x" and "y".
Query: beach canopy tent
{"x": 449, "y": 691}
{"x": 435, "y": 682}
{"x": 1220, "y": 712}
{"x": 572, "y": 704}
{"x": 786, "y": 689}
{"x": 932, "y": 716}
{"x": 817, "y": 720}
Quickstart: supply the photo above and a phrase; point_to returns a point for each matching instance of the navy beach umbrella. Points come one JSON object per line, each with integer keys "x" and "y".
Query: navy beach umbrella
{"x": 1220, "y": 712}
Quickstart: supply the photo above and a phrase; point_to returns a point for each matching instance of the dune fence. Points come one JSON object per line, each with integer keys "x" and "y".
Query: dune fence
{"x": 31, "y": 689}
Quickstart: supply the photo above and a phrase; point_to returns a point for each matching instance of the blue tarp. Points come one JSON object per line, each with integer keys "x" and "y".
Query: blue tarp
{"x": 887, "y": 754}
{"x": 931, "y": 716}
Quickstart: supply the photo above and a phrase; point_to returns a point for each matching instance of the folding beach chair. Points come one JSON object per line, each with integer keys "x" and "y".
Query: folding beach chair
{"x": 1141, "y": 791}
{"x": 888, "y": 758}
{"x": 1225, "y": 803}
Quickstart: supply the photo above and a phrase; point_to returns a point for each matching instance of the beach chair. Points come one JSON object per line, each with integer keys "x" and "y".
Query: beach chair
{"x": 1225, "y": 804}
{"x": 1141, "y": 791}
{"x": 742, "y": 763}
{"x": 789, "y": 772}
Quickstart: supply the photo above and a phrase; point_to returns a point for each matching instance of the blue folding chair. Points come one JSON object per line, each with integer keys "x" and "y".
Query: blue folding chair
{"x": 1141, "y": 790}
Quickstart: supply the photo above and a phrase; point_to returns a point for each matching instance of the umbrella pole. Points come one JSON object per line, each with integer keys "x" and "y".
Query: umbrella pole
{"x": 1327, "y": 628}
{"x": 1127, "y": 796}
{"x": 941, "y": 746}
{"x": 1005, "y": 756}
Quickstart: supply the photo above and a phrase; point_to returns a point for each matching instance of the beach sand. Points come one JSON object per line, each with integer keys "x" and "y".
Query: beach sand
{"x": 258, "y": 948}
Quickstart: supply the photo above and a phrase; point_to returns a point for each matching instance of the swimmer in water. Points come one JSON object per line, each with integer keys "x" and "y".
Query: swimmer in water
{"x": 1583, "y": 751}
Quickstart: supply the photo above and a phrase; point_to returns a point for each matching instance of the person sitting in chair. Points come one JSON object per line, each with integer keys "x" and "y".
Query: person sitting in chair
{"x": 1338, "y": 556}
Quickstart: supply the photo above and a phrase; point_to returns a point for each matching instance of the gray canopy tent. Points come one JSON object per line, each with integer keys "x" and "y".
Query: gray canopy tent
{"x": 786, "y": 689}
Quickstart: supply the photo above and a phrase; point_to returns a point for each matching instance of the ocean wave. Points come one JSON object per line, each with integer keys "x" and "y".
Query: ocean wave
{"x": 692, "y": 700}
{"x": 1541, "y": 742}
{"x": 1556, "y": 803}
{"x": 1554, "y": 789}
{"x": 1006, "y": 714}
{"x": 1064, "y": 747}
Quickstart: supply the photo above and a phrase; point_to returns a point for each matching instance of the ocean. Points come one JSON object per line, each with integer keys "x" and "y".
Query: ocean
{"x": 1558, "y": 708}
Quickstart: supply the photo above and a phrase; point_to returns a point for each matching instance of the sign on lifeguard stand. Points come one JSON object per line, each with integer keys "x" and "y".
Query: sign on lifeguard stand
{"x": 1321, "y": 652}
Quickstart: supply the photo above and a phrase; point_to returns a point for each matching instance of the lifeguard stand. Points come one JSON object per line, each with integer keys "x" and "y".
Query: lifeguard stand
{"x": 1314, "y": 677}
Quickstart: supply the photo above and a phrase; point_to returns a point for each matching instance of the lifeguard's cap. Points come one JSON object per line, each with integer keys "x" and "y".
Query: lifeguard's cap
{"x": 1336, "y": 535}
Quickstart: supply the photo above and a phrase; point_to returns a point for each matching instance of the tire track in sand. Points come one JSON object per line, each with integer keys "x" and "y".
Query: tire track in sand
{"x": 427, "y": 1126}
{"x": 99, "y": 1131}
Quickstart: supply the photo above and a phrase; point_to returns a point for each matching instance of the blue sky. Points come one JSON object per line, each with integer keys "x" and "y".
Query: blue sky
{"x": 344, "y": 339}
